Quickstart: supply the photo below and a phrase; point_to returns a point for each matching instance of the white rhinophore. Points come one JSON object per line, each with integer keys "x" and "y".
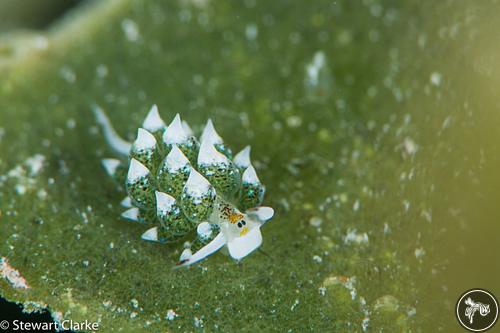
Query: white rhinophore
{"x": 153, "y": 121}
{"x": 176, "y": 159}
{"x": 212, "y": 247}
{"x": 208, "y": 155}
{"x": 175, "y": 133}
{"x": 145, "y": 140}
{"x": 250, "y": 176}
{"x": 210, "y": 134}
{"x": 242, "y": 159}
{"x": 136, "y": 170}
{"x": 110, "y": 164}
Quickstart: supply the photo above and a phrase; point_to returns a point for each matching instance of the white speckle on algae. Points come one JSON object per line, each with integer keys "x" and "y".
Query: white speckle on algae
{"x": 57, "y": 316}
{"x": 12, "y": 275}
{"x": 24, "y": 174}
{"x": 317, "y": 259}
{"x": 348, "y": 283}
{"x": 131, "y": 30}
{"x": 427, "y": 215}
{"x": 198, "y": 322}
{"x": 406, "y": 205}
{"x": 85, "y": 218}
{"x": 344, "y": 37}
{"x": 386, "y": 303}
{"x": 408, "y": 148}
{"x": 353, "y": 236}
{"x": 171, "y": 315}
{"x": 102, "y": 71}
{"x": 251, "y": 31}
{"x": 35, "y": 164}
{"x": 20, "y": 189}
{"x": 318, "y": 80}
{"x": 356, "y": 205}
{"x": 419, "y": 252}
{"x": 71, "y": 123}
{"x": 315, "y": 221}
{"x": 135, "y": 303}
{"x": 364, "y": 323}
{"x": 67, "y": 74}
{"x": 294, "y": 121}
{"x": 411, "y": 312}
{"x": 34, "y": 307}
{"x": 294, "y": 305}
{"x": 436, "y": 78}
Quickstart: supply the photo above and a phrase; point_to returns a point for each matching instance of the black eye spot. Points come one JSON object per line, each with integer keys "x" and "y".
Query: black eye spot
{"x": 239, "y": 224}
{"x": 243, "y": 222}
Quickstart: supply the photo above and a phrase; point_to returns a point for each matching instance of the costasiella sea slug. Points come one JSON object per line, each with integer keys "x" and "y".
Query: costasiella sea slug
{"x": 180, "y": 186}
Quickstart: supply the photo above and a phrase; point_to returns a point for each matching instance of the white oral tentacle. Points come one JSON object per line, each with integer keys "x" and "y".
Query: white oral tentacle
{"x": 116, "y": 143}
{"x": 216, "y": 244}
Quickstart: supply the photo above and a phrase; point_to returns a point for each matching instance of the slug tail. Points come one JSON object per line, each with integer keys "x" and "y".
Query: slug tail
{"x": 116, "y": 143}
